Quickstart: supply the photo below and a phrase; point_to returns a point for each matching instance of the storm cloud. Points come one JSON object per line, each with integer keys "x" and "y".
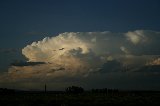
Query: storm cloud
{"x": 82, "y": 53}
{"x": 22, "y": 63}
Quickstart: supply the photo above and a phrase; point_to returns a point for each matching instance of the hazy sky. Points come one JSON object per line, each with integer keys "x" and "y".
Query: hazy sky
{"x": 97, "y": 36}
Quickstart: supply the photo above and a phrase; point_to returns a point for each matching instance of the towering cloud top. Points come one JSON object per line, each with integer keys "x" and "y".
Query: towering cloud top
{"x": 136, "y": 37}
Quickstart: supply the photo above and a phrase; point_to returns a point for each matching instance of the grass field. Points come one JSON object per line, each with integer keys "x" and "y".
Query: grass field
{"x": 83, "y": 99}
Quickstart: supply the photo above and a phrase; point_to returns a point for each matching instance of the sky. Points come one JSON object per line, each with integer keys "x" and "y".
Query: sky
{"x": 88, "y": 43}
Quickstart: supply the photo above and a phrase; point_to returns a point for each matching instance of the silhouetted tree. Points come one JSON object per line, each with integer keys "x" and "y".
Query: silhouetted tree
{"x": 74, "y": 90}
{"x": 6, "y": 91}
{"x": 106, "y": 91}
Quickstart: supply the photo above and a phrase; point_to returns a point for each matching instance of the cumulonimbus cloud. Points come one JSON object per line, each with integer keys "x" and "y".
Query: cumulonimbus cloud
{"x": 82, "y": 53}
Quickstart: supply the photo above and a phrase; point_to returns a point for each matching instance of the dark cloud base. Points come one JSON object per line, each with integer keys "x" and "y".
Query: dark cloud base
{"x": 22, "y": 63}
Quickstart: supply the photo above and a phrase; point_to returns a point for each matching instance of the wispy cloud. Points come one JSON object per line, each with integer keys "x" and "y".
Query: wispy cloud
{"x": 21, "y": 63}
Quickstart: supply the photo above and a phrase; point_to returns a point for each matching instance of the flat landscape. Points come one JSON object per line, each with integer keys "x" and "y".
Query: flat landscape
{"x": 59, "y": 98}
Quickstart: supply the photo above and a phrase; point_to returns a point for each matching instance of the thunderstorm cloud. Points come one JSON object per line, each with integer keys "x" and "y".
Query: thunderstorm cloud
{"x": 83, "y": 53}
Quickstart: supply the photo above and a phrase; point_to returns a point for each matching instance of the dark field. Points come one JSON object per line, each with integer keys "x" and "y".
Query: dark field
{"x": 84, "y": 99}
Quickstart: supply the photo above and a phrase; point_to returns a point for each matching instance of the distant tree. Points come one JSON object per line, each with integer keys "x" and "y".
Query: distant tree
{"x": 106, "y": 91}
{"x": 74, "y": 90}
{"x": 6, "y": 91}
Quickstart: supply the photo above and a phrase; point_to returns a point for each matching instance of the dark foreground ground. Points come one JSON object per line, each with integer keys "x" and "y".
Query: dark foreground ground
{"x": 84, "y": 99}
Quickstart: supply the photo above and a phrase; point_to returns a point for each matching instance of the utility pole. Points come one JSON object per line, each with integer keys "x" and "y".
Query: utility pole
{"x": 45, "y": 88}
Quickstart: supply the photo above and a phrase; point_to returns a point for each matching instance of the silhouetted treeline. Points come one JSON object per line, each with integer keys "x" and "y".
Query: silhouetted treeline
{"x": 79, "y": 90}
{"x": 106, "y": 91}
{"x": 6, "y": 91}
{"x": 74, "y": 90}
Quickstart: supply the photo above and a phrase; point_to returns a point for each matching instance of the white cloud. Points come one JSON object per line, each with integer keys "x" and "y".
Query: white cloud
{"x": 136, "y": 37}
